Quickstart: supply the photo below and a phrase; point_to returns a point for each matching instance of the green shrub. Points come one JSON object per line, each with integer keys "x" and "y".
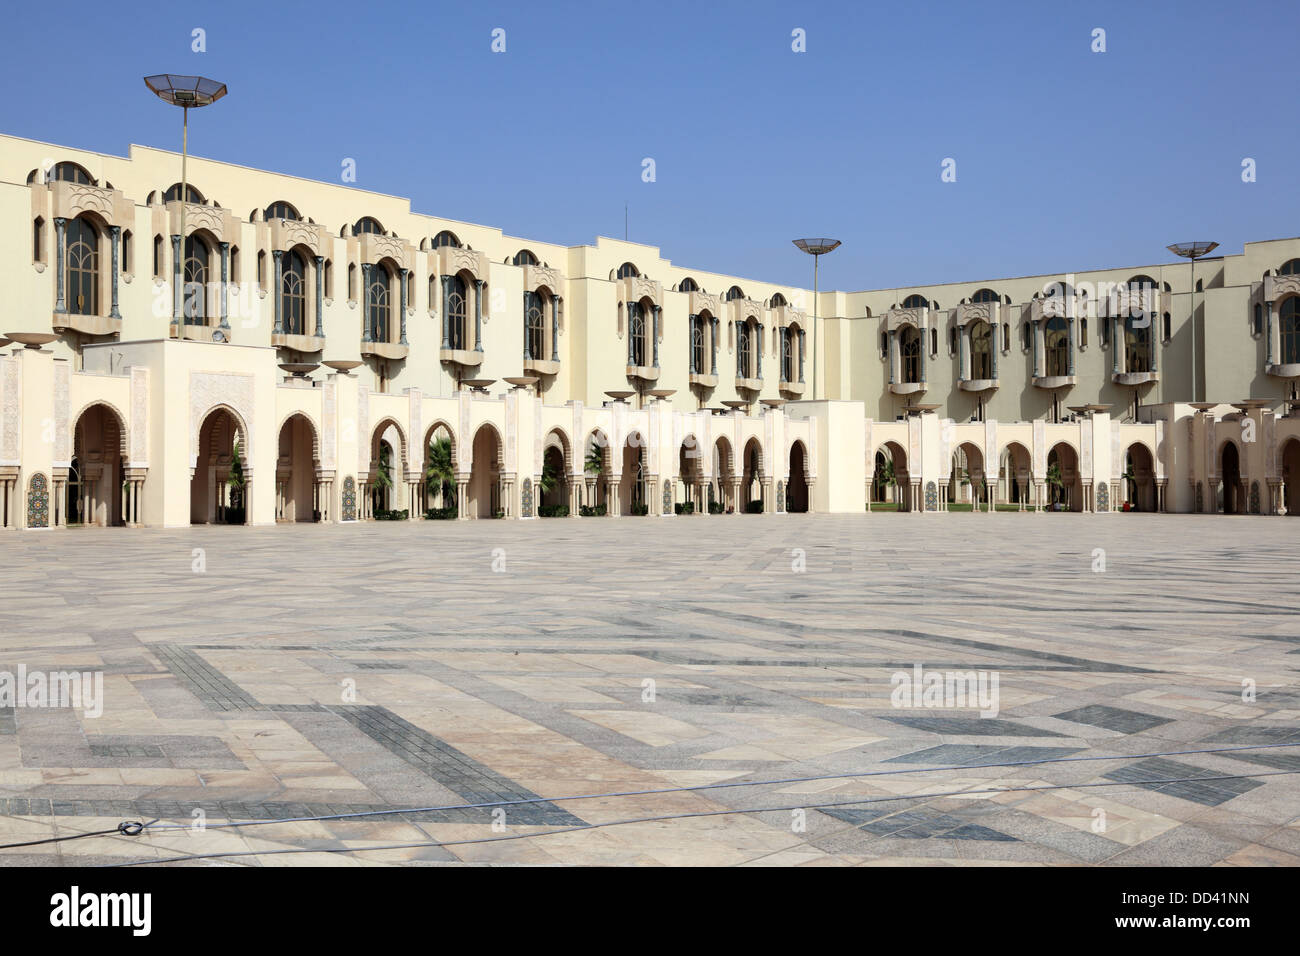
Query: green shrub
{"x": 592, "y": 511}
{"x": 715, "y": 507}
{"x": 684, "y": 507}
{"x": 392, "y": 515}
{"x": 640, "y": 509}
{"x": 553, "y": 511}
{"x": 755, "y": 507}
{"x": 441, "y": 514}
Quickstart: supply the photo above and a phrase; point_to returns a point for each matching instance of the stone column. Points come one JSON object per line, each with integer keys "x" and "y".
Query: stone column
{"x": 320, "y": 297}
{"x": 402, "y": 275}
{"x": 478, "y": 314}
{"x": 462, "y": 497}
{"x": 1156, "y": 330}
{"x": 893, "y": 356}
{"x": 555, "y": 328}
{"x": 811, "y": 483}
{"x": 758, "y": 351}
{"x": 446, "y": 319}
{"x": 60, "y": 258}
{"x": 1070, "y": 350}
{"x": 963, "y": 354}
{"x": 802, "y": 348}
{"x": 225, "y": 282}
{"x": 741, "y": 371}
{"x": 654, "y": 336}
{"x": 364, "y": 298}
{"x": 116, "y": 233}
{"x": 1269, "y": 348}
{"x": 735, "y": 496}
{"x": 713, "y": 322}
{"x": 769, "y": 502}
{"x": 278, "y": 256}
{"x": 1039, "y": 366}
{"x": 177, "y": 283}
{"x": 1117, "y": 345}
{"x": 924, "y": 353}
{"x": 993, "y": 352}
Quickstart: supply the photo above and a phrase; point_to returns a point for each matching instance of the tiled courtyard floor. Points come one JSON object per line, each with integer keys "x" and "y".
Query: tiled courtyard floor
{"x": 317, "y": 670}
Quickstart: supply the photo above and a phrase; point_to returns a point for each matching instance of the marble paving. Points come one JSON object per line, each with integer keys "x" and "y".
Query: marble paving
{"x": 432, "y": 668}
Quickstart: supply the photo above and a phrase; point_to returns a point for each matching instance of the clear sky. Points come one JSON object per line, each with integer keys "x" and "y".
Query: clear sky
{"x": 1066, "y": 159}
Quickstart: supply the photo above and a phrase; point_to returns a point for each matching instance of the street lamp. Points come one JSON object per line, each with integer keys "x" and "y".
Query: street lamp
{"x": 187, "y": 92}
{"x": 816, "y": 248}
{"x": 1192, "y": 251}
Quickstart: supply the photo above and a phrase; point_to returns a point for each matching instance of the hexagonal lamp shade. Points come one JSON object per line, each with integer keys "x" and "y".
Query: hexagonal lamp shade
{"x": 817, "y": 247}
{"x": 1192, "y": 250}
{"x": 186, "y": 91}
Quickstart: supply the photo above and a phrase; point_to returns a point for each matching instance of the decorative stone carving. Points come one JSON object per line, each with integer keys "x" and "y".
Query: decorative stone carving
{"x": 62, "y": 428}
{"x": 139, "y": 427}
{"x": 11, "y": 372}
{"x": 211, "y": 389}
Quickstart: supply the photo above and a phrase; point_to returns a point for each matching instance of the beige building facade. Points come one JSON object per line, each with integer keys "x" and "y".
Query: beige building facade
{"x": 258, "y": 348}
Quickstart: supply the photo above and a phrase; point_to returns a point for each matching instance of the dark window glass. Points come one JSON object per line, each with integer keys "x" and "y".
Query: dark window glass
{"x": 910, "y": 348}
{"x": 916, "y": 302}
{"x": 981, "y": 351}
{"x": 281, "y": 210}
{"x": 524, "y": 258}
{"x": 367, "y": 224}
{"x": 1290, "y": 321}
{"x": 197, "y": 265}
{"x": 534, "y": 326}
{"x": 457, "y": 334}
{"x": 627, "y": 270}
{"x": 293, "y": 294}
{"x": 83, "y": 267}
{"x": 1056, "y": 336}
{"x": 1137, "y": 346}
{"x": 191, "y": 194}
{"x": 446, "y": 239}
{"x": 378, "y": 303}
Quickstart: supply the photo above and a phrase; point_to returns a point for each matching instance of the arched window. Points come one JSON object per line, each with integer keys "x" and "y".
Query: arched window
{"x": 379, "y": 303}
{"x": 457, "y": 324}
{"x": 778, "y": 300}
{"x": 446, "y": 239}
{"x": 734, "y": 293}
{"x": 191, "y": 194}
{"x": 281, "y": 210}
{"x": 1056, "y": 336}
{"x": 368, "y": 224}
{"x": 986, "y": 295}
{"x": 627, "y": 270}
{"x": 910, "y": 350}
{"x": 636, "y": 334}
{"x": 70, "y": 173}
{"x": 1291, "y": 331}
{"x": 83, "y": 267}
{"x": 534, "y": 326}
{"x": 916, "y": 302}
{"x": 38, "y": 240}
{"x": 1290, "y": 268}
{"x": 744, "y": 347}
{"x": 293, "y": 294}
{"x": 1137, "y": 345}
{"x": 197, "y": 263}
{"x": 128, "y": 252}
{"x": 697, "y": 344}
{"x": 687, "y": 285}
{"x": 981, "y": 350}
{"x": 787, "y": 354}
{"x": 157, "y": 255}
{"x": 523, "y": 258}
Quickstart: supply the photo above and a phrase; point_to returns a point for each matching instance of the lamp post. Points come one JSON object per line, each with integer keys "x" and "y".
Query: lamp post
{"x": 1192, "y": 251}
{"x": 187, "y": 92}
{"x": 816, "y": 248}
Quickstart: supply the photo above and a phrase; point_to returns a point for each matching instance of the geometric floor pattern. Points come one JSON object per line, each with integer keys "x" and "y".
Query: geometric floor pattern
{"x": 304, "y": 671}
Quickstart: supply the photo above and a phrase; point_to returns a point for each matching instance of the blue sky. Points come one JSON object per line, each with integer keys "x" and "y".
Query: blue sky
{"x": 1066, "y": 159}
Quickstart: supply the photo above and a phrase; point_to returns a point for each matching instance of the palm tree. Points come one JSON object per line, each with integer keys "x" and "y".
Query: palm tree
{"x": 383, "y": 475}
{"x": 439, "y": 471}
{"x": 550, "y": 477}
{"x": 886, "y": 474}
{"x": 595, "y": 462}
{"x": 1054, "y": 480}
{"x": 235, "y": 478}
{"x": 1130, "y": 484}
